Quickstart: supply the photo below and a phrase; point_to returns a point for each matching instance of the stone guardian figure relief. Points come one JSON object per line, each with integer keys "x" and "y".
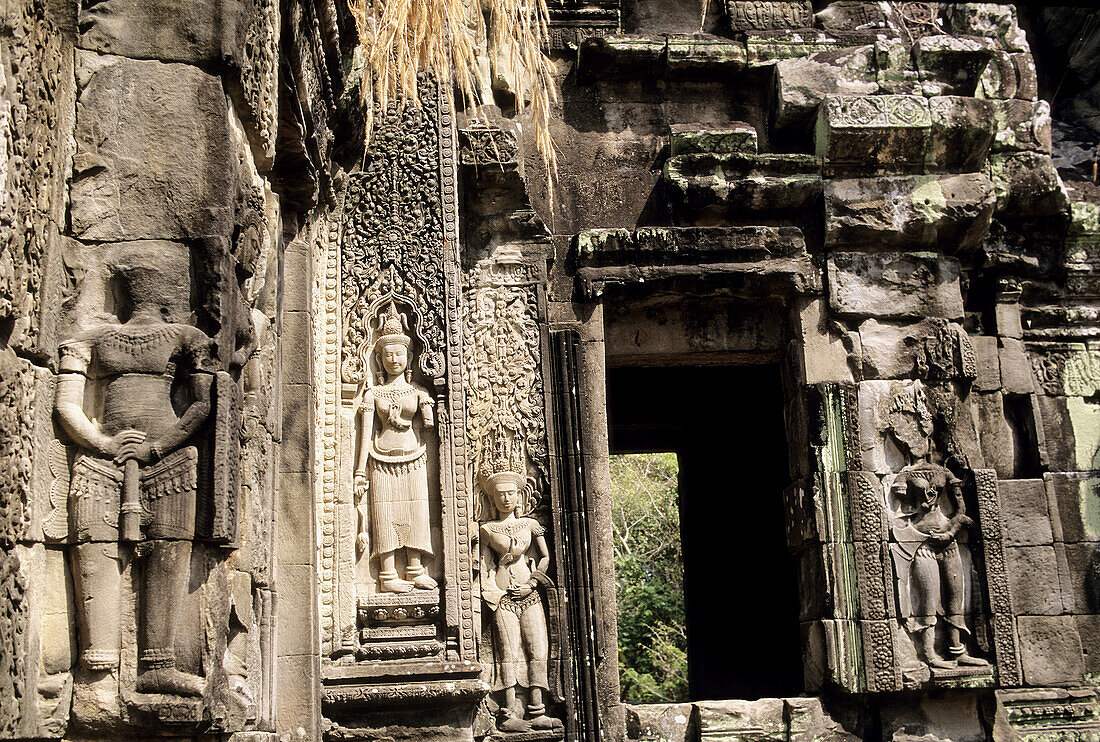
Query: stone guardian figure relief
{"x": 132, "y": 396}
{"x": 514, "y": 564}
{"x": 928, "y": 521}
{"x": 392, "y": 463}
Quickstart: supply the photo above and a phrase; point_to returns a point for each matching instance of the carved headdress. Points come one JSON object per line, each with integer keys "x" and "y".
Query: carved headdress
{"x": 504, "y": 461}
{"x": 391, "y": 328}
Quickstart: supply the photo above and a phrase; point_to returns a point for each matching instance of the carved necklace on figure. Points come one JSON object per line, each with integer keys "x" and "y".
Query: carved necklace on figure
{"x": 136, "y": 338}
{"x": 393, "y": 394}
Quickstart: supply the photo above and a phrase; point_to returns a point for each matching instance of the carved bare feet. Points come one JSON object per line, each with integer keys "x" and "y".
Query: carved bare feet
{"x": 396, "y": 585}
{"x": 960, "y": 655}
{"x": 424, "y": 582}
{"x": 545, "y": 722}
{"x": 510, "y": 723}
{"x": 169, "y": 681}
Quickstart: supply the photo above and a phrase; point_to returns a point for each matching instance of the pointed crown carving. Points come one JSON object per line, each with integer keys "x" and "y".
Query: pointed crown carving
{"x": 391, "y": 328}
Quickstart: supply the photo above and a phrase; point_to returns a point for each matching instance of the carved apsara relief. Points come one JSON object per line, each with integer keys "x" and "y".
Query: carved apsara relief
{"x": 937, "y": 585}
{"x": 393, "y": 503}
{"x": 508, "y": 455}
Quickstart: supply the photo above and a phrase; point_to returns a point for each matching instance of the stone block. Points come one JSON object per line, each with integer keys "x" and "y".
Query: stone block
{"x": 1016, "y": 374}
{"x": 153, "y": 159}
{"x": 823, "y": 354}
{"x": 1089, "y": 629}
{"x": 987, "y": 357}
{"x": 1077, "y": 498}
{"x": 1022, "y": 126}
{"x": 873, "y": 133}
{"x": 807, "y": 721}
{"x": 802, "y": 83}
{"x": 894, "y": 71}
{"x": 1007, "y": 318}
{"x": 658, "y": 722}
{"x": 996, "y": 21}
{"x": 1027, "y": 185}
{"x": 891, "y": 284}
{"x": 851, "y": 15}
{"x": 950, "y": 65}
{"x": 1083, "y": 577}
{"x": 1025, "y": 512}
{"x": 1050, "y": 650}
{"x": 931, "y": 349}
{"x": 999, "y": 79}
{"x": 731, "y": 721}
{"x": 961, "y": 133}
{"x": 199, "y": 33}
{"x": 1027, "y": 78}
{"x": 1033, "y": 580}
{"x": 694, "y": 139}
{"x": 999, "y": 443}
{"x": 909, "y": 211}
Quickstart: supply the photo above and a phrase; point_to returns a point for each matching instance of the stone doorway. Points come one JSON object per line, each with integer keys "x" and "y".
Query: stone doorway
{"x": 742, "y": 603}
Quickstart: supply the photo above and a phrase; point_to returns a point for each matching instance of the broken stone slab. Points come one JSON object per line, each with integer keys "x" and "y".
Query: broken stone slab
{"x": 765, "y": 48}
{"x": 199, "y": 33}
{"x": 1027, "y": 185}
{"x": 962, "y": 131}
{"x": 988, "y": 363}
{"x": 894, "y": 285}
{"x": 693, "y": 139}
{"x": 662, "y": 56}
{"x": 996, "y": 21}
{"x": 1050, "y": 650}
{"x": 952, "y": 65}
{"x": 153, "y": 157}
{"x": 853, "y": 15}
{"x": 802, "y": 83}
{"x": 909, "y": 211}
{"x": 658, "y": 722}
{"x": 759, "y": 16}
{"x": 872, "y": 133}
{"x": 722, "y": 186}
{"x": 733, "y": 721}
{"x": 672, "y": 245}
{"x": 1022, "y": 126}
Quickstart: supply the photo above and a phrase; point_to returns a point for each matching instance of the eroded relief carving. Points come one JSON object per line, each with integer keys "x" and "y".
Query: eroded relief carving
{"x": 135, "y": 478}
{"x": 391, "y": 476}
{"x": 152, "y": 427}
{"x": 934, "y": 571}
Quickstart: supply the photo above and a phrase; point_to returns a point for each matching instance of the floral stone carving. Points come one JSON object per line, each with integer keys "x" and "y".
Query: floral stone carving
{"x": 932, "y": 563}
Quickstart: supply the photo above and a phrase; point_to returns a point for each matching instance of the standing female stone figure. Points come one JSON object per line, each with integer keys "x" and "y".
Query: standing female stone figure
{"x": 514, "y": 560}
{"x": 393, "y": 462}
{"x": 135, "y": 476}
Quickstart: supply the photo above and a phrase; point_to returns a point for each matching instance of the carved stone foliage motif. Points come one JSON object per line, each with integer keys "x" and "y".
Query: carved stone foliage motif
{"x": 504, "y": 388}
{"x": 32, "y": 158}
{"x": 393, "y": 495}
{"x": 506, "y": 430}
{"x": 392, "y": 236}
{"x": 260, "y": 68}
{"x": 858, "y": 111}
{"x": 938, "y": 593}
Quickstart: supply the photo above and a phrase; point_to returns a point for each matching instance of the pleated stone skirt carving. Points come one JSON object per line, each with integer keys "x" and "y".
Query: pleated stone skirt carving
{"x": 399, "y": 505}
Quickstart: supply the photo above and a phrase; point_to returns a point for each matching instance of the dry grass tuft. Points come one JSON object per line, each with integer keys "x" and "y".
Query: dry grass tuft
{"x": 402, "y": 38}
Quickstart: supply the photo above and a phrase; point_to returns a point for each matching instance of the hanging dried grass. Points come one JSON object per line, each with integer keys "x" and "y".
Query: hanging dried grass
{"x": 402, "y": 38}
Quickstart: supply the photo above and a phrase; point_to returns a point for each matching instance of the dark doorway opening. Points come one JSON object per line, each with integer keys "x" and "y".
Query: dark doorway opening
{"x": 740, "y": 582}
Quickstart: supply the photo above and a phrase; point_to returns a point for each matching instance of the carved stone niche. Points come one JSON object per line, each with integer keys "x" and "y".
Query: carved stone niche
{"x": 393, "y": 497}
{"x": 142, "y": 498}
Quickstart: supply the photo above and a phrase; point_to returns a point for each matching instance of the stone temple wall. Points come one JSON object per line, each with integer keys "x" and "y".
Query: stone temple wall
{"x": 306, "y": 439}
